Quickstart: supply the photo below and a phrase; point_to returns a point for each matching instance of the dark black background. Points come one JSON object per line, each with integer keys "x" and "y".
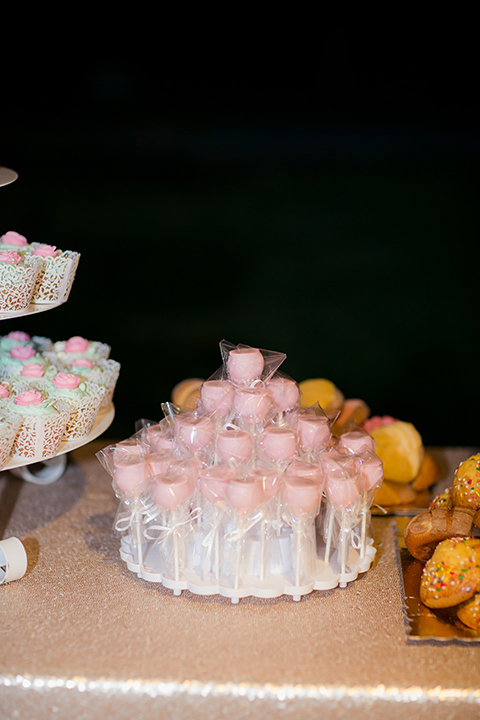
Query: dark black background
{"x": 321, "y": 203}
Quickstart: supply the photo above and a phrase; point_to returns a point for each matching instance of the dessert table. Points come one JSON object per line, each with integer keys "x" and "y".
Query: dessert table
{"x": 82, "y": 636}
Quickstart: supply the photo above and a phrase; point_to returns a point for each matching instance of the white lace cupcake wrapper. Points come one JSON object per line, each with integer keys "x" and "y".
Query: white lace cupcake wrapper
{"x": 83, "y": 411}
{"x": 97, "y": 351}
{"x": 17, "y": 284}
{"x": 9, "y": 426}
{"x": 106, "y": 374}
{"x": 41, "y": 437}
{"x": 55, "y": 278}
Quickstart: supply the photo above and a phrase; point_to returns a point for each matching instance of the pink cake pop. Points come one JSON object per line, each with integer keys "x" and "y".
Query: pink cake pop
{"x": 158, "y": 462}
{"x": 217, "y": 397}
{"x": 158, "y": 437}
{"x": 284, "y": 392}
{"x": 195, "y": 433}
{"x": 213, "y": 483}
{"x": 129, "y": 446}
{"x": 130, "y": 474}
{"x": 252, "y": 404}
{"x": 371, "y": 472}
{"x": 301, "y": 468}
{"x": 244, "y": 495}
{"x": 357, "y": 440}
{"x": 279, "y": 443}
{"x": 170, "y": 492}
{"x": 313, "y": 432}
{"x": 343, "y": 492}
{"x": 234, "y": 444}
{"x": 244, "y": 365}
{"x": 270, "y": 480}
{"x": 302, "y": 497}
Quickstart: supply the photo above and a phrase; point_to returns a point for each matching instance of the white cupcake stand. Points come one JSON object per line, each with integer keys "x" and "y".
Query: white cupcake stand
{"x": 51, "y": 468}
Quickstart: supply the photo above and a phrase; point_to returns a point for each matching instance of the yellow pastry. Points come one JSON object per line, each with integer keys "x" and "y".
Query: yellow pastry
{"x": 400, "y": 447}
{"x": 322, "y": 391}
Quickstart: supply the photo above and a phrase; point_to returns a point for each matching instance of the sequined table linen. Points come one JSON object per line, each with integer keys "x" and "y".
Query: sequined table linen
{"x": 82, "y": 637}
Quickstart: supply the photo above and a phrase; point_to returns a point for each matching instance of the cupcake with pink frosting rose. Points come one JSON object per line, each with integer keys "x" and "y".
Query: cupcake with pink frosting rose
{"x": 83, "y": 397}
{"x": 103, "y": 372}
{"x": 79, "y": 347}
{"x": 43, "y": 422}
{"x": 18, "y": 276}
{"x": 18, "y": 337}
{"x": 12, "y": 240}
{"x": 13, "y": 361}
{"x": 57, "y": 272}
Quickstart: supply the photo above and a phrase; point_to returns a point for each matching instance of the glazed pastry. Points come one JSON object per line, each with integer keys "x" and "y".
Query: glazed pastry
{"x": 391, "y": 493}
{"x": 469, "y": 613}
{"x": 466, "y": 485}
{"x": 452, "y": 575}
{"x": 428, "y": 475}
{"x": 443, "y": 499}
{"x": 425, "y": 531}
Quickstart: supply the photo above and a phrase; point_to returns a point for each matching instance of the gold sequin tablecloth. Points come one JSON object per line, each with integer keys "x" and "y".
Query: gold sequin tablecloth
{"x": 82, "y": 637}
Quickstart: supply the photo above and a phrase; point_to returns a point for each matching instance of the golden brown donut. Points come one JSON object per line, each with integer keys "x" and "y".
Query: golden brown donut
{"x": 452, "y": 575}
{"x": 426, "y": 530}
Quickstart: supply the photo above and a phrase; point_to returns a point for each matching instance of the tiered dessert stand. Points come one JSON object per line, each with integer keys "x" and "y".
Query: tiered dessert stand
{"x": 48, "y": 470}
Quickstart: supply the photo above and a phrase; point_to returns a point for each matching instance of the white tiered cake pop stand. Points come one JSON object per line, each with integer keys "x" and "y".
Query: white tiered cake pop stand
{"x": 53, "y": 467}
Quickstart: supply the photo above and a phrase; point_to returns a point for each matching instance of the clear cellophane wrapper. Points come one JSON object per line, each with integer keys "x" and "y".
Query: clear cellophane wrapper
{"x": 55, "y": 278}
{"x": 9, "y": 427}
{"x": 17, "y": 284}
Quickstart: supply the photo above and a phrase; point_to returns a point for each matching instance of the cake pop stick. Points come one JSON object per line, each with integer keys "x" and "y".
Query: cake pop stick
{"x": 213, "y": 486}
{"x": 371, "y": 472}
{"x": 301, "y": 497}
{"x": 343, "y": 493}
{"x": 171, "y": 492}
{"x": 270, "y": 480}
{"x": 245, "y": 496}
{"x": 130, "y": 476}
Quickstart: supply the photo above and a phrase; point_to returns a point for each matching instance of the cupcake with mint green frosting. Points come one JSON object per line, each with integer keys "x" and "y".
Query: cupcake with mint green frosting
{"x": 17, "y": 337}
{"x": 84, "y": 398}
{"x": 103, "y": 372}
{"x": 12, "y": 240}
{"x": 44, "y": 420}
{"x": 13, "y": 361}
{"x": 78, "y": 347}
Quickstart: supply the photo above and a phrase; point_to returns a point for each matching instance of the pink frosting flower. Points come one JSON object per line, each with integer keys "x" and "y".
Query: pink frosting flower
{"x": 4, "y": 391}
{"x": 82, "y": 362}
{"x": 76, "y": 344}
{"x": 66, "y": 381}
{"x": 29, "y": 397}
{"x": 32, "y": 370}
{"x": 18, "y": 335}
{"x": 45, "y": 251}
{"x": 22, "y": 352}
{"x": 10, "y": 258}
{"x": 13, "y": 238}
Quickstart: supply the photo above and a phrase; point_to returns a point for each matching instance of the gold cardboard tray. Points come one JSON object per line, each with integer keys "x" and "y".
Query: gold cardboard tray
{"x": 423, "y": 624}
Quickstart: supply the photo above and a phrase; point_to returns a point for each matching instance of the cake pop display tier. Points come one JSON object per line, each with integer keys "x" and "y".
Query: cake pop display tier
{"x": 7, "y": 176}
{"x": 324, "y": 576}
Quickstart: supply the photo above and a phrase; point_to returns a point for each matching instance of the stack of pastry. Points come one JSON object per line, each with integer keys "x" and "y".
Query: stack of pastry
{"x": 441, "y": 536}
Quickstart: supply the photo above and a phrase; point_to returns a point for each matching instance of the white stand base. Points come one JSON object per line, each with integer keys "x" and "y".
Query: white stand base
{"x": 324, "y": 577}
